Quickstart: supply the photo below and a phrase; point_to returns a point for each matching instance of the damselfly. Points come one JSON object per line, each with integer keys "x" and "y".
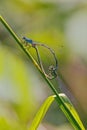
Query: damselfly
{"x": 52, "y": 69}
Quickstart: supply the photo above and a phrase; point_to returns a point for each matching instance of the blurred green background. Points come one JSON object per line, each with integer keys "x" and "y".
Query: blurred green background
{"x": 62, "y": 25}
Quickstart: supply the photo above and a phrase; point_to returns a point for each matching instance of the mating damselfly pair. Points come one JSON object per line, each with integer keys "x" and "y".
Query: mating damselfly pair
{"x": 51, "y": 72}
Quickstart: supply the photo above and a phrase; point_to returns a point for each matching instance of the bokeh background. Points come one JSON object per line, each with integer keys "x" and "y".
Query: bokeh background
{"x": 62, "y": 25}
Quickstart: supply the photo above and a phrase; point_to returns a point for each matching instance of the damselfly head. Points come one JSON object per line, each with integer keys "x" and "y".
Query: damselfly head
{"x": 27, "y": 40}
{"x": 24, "y": 38}
{"x": 52, "y": 72}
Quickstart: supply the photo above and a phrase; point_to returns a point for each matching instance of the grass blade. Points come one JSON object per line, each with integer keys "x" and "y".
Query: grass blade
{"x": 41, "y": 113}
{"x": 73, "y": 112}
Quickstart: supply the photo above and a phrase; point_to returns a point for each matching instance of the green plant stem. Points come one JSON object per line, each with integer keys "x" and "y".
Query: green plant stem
{"x": 58, "y": 99}
{"x": 29, "y": 55}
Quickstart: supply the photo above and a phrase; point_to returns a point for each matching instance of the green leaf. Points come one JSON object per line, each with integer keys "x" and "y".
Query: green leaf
{"x": 45, "y": 106}
{"x": 41, "y": 113}
{"x": 72, "y": 110}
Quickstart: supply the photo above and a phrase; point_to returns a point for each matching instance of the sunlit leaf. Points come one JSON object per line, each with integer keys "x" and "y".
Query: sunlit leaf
{"x": 71, "y": 109}
{"x": 41, "y": 113}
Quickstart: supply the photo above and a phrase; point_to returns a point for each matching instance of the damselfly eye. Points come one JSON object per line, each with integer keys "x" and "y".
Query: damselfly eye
{"x": 51, "y": 68}
{"x": 52, "y": 71}
{"x": 24, "y": 38}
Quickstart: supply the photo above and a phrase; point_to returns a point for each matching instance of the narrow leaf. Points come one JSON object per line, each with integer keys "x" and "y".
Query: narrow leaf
{"x": 41, "y": 113}
{"x": 71, "y": 109}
